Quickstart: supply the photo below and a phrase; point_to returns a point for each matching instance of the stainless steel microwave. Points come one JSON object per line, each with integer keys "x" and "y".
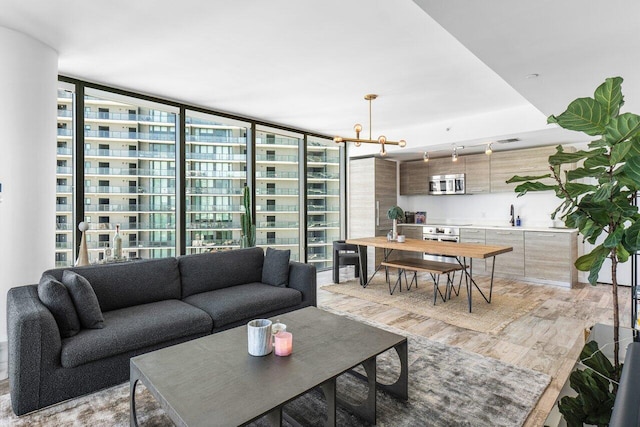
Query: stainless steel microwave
{"x": 446, "y": 184}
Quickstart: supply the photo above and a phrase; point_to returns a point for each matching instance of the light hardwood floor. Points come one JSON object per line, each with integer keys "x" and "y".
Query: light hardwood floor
{"x": 548, "y": 339}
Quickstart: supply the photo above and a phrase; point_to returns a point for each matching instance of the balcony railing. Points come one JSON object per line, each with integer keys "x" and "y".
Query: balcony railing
{"x": 65, "y": 132}
{"x": 63, "y": 226}
{"x": 219, "y": 157}
{"x": 106, "y": 115}
{"x": 213, "y": 208}
{"x": 277, "y": 191}
{"x": 216, "y": 174}
{"x": 63, "y": 208}
{"x": 134, "y": 244}
{"x": 127, "y": 226}
{"x": 197, "y": 243}
{"x": 276, "y": 141}
{"x": 274, "y": 158}
{"x": 277, "y": 224}
{"x": 130, "y": 208}
{"x": 214, "y": 191}
{"x": 129, "y": 190}
{"x": 64, "y": 151}
{"x": 64, "y": 189}
{"x": 212, "y": 225}
{"x": 152, "y": 136}
{"x": 277, "y": 241}
{"x": 323, "y": 175}
{"x": 329, "y": 208}
{"x": 64, "y": 170}
{"x": 65, "y": 113}
{"x": 321, "y": 192}
{"x": 277, "y": 208}
{"x": 170, "y": 173}
{"x": 323, "y": 159}
{"x": 218, "y": 139}
{"x": 286, "y": 175}
{"x": 131, "y": 154}
{"x": 64, "y": 245}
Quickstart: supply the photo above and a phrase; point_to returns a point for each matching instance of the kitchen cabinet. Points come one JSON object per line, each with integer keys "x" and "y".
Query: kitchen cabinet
{"x": 510, "y": 264}
{"x": 526, "y": 162}
{"x": 411, "y": 232}
{"x": 372, "y": 191}
{"x": 475, "y": 235}
{"x": 445, "y": 166}
{"x": 550, "y": 256}
{"x": 477, "y": 173}
{"x": 414, "y": 178}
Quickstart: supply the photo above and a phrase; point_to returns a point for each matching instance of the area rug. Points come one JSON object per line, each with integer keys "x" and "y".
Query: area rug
{"x": 485, "y": 318}
{"x": 448, "y": 386}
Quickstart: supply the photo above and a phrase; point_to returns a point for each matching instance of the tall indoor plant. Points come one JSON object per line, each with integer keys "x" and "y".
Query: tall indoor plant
{"x": 248, "y": 228}
{"x": 599, "y": 196}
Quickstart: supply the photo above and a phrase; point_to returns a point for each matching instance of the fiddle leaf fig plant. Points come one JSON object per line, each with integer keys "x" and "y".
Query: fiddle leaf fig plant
{"x": 598, "y": 196}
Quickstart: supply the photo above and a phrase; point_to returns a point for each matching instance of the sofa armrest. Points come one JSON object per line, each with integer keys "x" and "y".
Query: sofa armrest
{"x": 303, "y": 278}
{"x": 34, "y": 346}
{"x": 626, "y": 409}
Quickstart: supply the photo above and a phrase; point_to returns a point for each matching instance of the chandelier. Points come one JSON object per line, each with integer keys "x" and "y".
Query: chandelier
{"x": 382, "y": 140}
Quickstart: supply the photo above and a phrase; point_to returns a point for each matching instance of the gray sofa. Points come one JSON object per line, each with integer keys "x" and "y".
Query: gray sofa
{"x": 146, "y": 305}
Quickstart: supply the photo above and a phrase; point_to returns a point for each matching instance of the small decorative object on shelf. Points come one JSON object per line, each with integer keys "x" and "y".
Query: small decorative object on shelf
{"x": 284, "y": 343}
{"x": 117, "y": 243}
{"x": 421, "y": 217}
{"x": 83, "y": 253}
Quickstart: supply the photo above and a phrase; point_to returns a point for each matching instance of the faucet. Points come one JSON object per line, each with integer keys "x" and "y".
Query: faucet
{"x": 512, "y": 221}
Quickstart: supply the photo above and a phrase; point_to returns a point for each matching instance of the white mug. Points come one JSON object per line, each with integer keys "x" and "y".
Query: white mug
{"x": 400, "y": 238}
{"x": 259, "y": 339}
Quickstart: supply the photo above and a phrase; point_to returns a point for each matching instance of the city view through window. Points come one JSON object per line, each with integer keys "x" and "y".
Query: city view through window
{"x": 129, "y": 180}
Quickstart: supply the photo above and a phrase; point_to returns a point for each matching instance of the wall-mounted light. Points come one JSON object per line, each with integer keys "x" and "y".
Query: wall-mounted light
{"x": 425, "y": 157}
{"x": 488, "y": 150}
{"x": 454, "y": 155}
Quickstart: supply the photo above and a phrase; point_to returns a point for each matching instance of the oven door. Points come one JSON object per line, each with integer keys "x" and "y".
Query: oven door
{"x": 439, "y": 238}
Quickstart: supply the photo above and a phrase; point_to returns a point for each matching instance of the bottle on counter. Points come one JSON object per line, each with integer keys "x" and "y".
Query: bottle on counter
{"x": 518, "y": 221}
{"x": 117, "y": 243}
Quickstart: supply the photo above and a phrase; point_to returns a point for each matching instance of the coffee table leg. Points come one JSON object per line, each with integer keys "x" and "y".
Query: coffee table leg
{"x": 400, "y": 388}
{"x": 133, "y": 381}
{"x": 329, "y": 390}
{"x": 367, "y": 410}
{"x": 274, "y": 418}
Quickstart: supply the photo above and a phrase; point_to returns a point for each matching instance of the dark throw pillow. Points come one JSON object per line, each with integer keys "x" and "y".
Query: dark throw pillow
{"x": 56, "y": 298}
{"x": 275, "y": 270}
{"x": 84, "y": 299}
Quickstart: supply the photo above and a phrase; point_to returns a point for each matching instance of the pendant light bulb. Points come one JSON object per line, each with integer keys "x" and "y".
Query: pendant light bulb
{"x": 454, "y": 156}
{"x": 488, "y": 150}
{"x": 425, "y": 157}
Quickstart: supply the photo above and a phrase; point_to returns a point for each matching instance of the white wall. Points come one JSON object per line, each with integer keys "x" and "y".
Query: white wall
{"x": 28, "y": 84}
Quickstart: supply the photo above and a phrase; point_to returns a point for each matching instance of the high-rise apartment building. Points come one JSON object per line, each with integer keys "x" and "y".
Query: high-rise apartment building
{"x": 130, "y": 180}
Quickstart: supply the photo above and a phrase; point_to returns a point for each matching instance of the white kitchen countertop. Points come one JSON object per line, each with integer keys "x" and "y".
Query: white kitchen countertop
{"x": 495, "y": 227}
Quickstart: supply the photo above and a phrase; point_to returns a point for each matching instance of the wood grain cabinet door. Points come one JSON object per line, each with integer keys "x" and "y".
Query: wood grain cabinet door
{"x": 510, "y": 264}
{"x": 550, "y": 256}
{"x": 475, "y": 235}
{"x": 414, "y": 178}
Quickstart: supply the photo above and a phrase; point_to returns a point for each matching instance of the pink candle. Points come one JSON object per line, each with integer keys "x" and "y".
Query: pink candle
{"x": 284, "y": 343}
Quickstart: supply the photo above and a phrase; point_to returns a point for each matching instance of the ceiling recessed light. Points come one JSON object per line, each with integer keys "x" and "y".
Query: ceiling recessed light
{"x": 532, "y": 76}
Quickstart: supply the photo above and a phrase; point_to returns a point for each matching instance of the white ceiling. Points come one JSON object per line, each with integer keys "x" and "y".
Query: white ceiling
{"x": 447, "y": 73}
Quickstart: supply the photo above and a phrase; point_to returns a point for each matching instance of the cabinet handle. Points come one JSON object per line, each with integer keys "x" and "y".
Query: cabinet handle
{"x": 377, "y": 213}
{"x": 546, "y": 234}
{"x": 506, "y": 233}
{"x": 472, "y": 231}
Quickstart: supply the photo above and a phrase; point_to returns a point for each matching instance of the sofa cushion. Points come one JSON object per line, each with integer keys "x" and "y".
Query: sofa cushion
{"x": 247, "y": 301}
{"x": 84, "y": 299}
{"x": 55, "y": 296}
{"x": 128, "y": 284}
{"x": 134, "y": 328}
{"x": 275, "y": 270}
{"x": 217, "y": 270}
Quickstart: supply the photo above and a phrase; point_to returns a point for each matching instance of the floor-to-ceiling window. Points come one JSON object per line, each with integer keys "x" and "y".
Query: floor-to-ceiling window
{"x": 323, "y": 200}
{"x": 216, "y": 173}
{"x": 277, "y": 191}
{"x": 122, "y": 151}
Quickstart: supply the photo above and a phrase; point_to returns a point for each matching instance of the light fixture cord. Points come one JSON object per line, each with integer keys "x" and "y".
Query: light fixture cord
{"x": 370, "y": 119}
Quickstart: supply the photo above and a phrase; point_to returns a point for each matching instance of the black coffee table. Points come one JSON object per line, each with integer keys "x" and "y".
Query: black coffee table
{"x": 214, "y": 381}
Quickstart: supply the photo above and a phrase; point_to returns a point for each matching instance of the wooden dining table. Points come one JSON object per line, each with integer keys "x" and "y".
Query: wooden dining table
{"x": 460, "y": 252}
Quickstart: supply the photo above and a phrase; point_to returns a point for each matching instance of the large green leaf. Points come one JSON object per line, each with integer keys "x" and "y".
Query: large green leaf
{"x": 518, "y": 178}
{"x": 613, "y": 239}
{"x": 622, "y": 128}
{"x": 632, "y": 237}
{"x": 602, "y": 193}
{"x": 632, "y": 168}
{"x": 561, "y": 158}
{"x": 579, "y": 173}
{"x": 600, "y": 160}
{"x": 575, "y": 188}
{"x": 609, "y": 95}
{"x": 619, "y": 152}
{"x": 583, "y": 115}
{"x": 523, "y": 188}
{"x": 586, "y": 261}
{"x": 622, "y": 253}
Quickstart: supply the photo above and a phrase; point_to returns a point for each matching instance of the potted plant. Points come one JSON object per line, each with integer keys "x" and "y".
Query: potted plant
{"x": 395, "y": 213}
{"x": 597, "y": 197}
{"x": 248, "y": 237}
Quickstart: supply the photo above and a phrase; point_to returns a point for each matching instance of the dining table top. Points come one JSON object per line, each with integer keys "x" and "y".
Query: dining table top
{"x": 463, "y": 250}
